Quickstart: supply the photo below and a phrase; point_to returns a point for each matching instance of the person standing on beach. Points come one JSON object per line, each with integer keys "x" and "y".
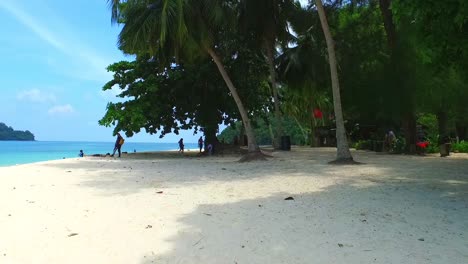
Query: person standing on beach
{"x": 200, "y": 143}
{"x": 389, "y": 141}
{"x": 181, "y": 145}
{"x": 118, "y": 144}
{"x": 210, "y": 149}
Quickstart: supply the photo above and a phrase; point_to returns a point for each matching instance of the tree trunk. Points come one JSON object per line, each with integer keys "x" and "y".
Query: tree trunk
{"x": 274, "y": 88}
{"x": 210, "y": 137}
{"x": 442, "y": 125}
{"x": 388, "y": 23}
{"x": 272, "y": 135}
{"x": 343, "y": 153}
{"x": 409, "y": 124}
{"x": 252, "y": 147}
{"x": 409, "y": 120}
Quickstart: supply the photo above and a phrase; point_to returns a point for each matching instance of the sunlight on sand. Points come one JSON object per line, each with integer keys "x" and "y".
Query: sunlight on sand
{"x": 173, "y": 208}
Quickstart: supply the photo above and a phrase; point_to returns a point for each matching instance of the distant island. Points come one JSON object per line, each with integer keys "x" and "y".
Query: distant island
{"x": 8, "y": 133}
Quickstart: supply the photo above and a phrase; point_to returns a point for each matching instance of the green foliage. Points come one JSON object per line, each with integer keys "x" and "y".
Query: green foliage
{"x": 400, "y": 144}
{"x": 8, "y": 133}
{"x": 429, "y": 122}
{"x": 440, "y": 29}
{"x": 166, "y": 99}
{"x": 382, "y": 84}
{"x": 163, "y": 100}
{"x": 397, "y": 148}
{"x": 429, "y": 125}
{"x": 263, "y": 133}
{"x": 362, "y": 144}
{"x": 461, "y": 147}
{"x": 432, "y": 147}
{"x": 230, "y": 133}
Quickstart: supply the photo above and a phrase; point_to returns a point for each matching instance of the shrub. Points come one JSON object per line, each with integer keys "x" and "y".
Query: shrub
{"x": 462, "y": 147}
{"x": 362, "y": 144}
{"x": 399, "y": 146}
{"x": 433, "y": 146}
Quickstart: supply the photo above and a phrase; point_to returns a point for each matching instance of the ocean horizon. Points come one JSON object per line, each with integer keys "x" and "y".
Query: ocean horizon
{"x": 23, "y": 152}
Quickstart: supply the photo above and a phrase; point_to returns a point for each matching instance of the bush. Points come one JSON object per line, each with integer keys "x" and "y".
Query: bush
{"x": 433, "y": 146}
{"x": 462, "y": 147}
{"x": 400, "y": 144}
{"x": 362, "y": 144}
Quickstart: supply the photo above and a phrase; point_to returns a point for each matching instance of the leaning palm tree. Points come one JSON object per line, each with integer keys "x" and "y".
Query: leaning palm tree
{"x": 180, "y": 29}
{"x": 343, "y": 153}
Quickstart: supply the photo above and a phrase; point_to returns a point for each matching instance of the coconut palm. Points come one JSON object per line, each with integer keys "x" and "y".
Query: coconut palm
{"x": 305, "y": 80}
{"x": 180, "y": 29}
{"x": 343, "y": 153}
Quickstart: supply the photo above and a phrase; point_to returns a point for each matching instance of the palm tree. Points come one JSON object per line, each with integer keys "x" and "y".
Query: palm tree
{"x": 343, "y": 153}
{"x": 304, "y": 79}
{"x": 181, "y": 29}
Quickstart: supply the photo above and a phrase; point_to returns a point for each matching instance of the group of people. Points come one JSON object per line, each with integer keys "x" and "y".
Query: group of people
{"x": 117, "y": 146}
{"x": 120, "y": 141}
{"x": 200, "y": 146}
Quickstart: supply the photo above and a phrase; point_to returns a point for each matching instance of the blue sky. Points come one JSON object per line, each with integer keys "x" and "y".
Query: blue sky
{"x": 52, "y": 68}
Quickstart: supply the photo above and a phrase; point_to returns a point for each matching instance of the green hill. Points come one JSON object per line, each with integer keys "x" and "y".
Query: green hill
{"x": 8, "y": 133}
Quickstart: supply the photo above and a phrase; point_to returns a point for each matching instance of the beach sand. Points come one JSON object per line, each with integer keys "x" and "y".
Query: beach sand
{"x": 392, "y": 209}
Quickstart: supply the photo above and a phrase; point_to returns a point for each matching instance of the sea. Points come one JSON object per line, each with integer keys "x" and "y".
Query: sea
{"x": 22, "y": 152}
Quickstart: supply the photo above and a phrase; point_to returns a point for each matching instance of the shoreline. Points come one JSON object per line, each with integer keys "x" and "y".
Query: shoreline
{"x": 17, "y": 153}
{"x": 155, "y": 152}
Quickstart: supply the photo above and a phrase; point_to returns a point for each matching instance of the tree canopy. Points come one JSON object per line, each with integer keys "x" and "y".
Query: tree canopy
{"x": 396, "y": 61}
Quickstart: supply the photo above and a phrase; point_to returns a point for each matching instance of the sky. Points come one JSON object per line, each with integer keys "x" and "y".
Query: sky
{"x": 53, "y": 59}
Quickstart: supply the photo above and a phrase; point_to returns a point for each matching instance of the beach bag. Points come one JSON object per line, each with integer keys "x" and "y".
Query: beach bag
{"x": 121, "y": 142}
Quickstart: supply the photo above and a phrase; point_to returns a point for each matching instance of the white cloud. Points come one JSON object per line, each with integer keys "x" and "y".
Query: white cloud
{"x": 61, "y": 109}
{"x": 93, "y": 66}
{"x": 37, "y": 96}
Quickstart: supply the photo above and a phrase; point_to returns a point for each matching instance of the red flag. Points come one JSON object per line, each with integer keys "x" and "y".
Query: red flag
{"x": 317, "y": 113}
{"x": 422, "y": 145}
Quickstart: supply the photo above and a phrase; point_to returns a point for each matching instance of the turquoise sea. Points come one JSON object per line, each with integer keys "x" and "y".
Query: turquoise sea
{"x": 22, "y": 152}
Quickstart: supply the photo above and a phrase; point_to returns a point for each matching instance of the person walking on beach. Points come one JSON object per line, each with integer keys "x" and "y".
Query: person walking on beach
{"x": 200, "y": 143}
{"x": 181, "y": 145}
{"x": 118, "y": 144}
{"x": 81, "y": 154}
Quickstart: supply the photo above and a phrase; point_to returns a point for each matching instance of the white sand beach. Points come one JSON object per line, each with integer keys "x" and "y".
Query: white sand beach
{"x": 392, "y": 209}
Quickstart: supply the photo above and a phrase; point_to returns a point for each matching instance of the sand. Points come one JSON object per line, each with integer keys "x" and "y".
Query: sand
{"x": 392, "y": 209}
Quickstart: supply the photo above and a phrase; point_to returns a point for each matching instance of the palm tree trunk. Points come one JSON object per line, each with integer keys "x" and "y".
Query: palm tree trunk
{"x": 252, "y": 143}
{"x": 274, "y": 88}
{"x": 343, "y": 153}
{"x": 272, "y": 134}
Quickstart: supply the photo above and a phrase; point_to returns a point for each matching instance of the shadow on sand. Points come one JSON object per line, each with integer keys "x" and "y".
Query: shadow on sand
{"x": 394, "y": 209}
